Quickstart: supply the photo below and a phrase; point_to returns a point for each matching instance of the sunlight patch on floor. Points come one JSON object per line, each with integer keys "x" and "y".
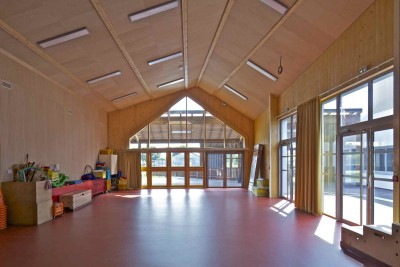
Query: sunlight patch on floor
{"x": 326, "y": 229}
{"x": 283, "y": 208}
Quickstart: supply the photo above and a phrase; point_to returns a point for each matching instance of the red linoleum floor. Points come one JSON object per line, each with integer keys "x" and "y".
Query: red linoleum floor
{"x": 212, "y": 227}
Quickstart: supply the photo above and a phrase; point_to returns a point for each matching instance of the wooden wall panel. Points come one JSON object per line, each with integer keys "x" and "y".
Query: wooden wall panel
{"x": 123, "y": 124}
{"x": 368, "y": 41}
{"x": 261, "y": 136}
{"x": 266, "y": 133}
{"x": 47, "y": 122}
{"x": 273, "y": 147}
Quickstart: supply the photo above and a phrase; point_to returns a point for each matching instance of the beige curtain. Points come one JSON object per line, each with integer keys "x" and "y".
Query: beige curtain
{"x": 308, "y": 181}
{"x": 129, "y": 164}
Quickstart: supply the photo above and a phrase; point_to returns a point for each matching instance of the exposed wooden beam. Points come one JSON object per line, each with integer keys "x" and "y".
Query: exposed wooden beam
{"x": 263, "y": 40}
{"x": 221, "y": 25}
{"x": 38, "y": 51}
{"x": 107, "y": 22}
{"x": 184, "y": 10}
{"x": 33, "y": 69}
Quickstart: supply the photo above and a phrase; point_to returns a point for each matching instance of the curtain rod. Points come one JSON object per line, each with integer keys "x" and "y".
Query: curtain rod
{"x": 385, "y": 66}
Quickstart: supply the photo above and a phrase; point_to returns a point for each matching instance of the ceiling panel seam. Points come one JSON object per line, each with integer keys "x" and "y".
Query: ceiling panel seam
{"x": 277, "y": 25}
{"x": 111, "y": 29}
{"x": 33, "y": 69}
{"x": 184, "y": 10}
{"x": 34, "y": 48}
{"x": 217, "y": 35}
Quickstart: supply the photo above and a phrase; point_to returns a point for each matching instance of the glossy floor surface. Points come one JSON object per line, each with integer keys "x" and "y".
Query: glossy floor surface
{"x": 159, "y": 227}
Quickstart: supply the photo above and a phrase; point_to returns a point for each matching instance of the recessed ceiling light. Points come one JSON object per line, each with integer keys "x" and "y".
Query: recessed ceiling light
{"x": 123, "y": 97}
{"x": 235, "y": 92}
{"x": 276, "y": 5}
{"x": 170, "y": 83}
{"x": 63, "y": 37}
{"x": 106, "y": 76}
{"x": 163, "y": 59}
{"x": 261, "y": 70}
{"x": 153, "y": 10}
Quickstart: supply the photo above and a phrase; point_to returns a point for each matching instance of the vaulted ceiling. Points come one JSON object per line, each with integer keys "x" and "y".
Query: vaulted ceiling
{"x": 216, "y": 38}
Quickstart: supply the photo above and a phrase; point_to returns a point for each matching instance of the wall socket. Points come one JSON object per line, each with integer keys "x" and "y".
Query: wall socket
{"x": 9, "y": 171}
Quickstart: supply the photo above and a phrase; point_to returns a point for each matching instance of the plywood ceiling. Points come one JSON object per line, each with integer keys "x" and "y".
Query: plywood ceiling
{"x": 216, "y": 38}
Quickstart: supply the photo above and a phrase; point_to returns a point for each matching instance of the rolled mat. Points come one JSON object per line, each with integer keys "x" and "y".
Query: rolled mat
{"x": 3, "y": 217}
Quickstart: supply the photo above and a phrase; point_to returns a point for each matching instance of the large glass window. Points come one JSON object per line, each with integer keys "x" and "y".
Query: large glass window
{"x": 358, "y": 188}
{"x": 187, "y": 124}
{"x": 382, "y": 100}
{"x": 287, "y": 157}
{"x": 354, "y": 106}
{"x": 328, "y": 162}
{"x": 174, "y": 148}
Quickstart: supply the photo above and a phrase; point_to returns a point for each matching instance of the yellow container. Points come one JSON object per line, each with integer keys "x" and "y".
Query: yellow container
{"x": 99, "y": 173}
{"x": 260, "y": 191}
{"x": 121, "y": 187}
{"x": 53, "y": 175}
{"x": 106, "y": 151}
{"x": 262, "y": 182}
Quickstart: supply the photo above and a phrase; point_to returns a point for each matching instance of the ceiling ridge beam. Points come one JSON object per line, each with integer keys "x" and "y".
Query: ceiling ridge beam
{"x": 38, "y": 51}
{"x": 266, "y": 37}
{"x": 217, "y": 35}
{"x": 110, "y": 27}
{"x": 184, "y": 10}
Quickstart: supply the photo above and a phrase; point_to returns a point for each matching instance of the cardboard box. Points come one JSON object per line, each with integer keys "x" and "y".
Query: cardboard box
{"x": 28, "y": 203}
{"x": 30, "y": 214}
{"x": 25, "y": 192}
{"x": 262, "y": 182}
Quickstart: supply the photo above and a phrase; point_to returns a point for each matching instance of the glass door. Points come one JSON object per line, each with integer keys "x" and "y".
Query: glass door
{"x": 215, "y": 169}
{"x": 224, "y": 169}
{"x": 352, "y": 177}
{"x": 366, "y": 177}
{"x": 287, "y": 170}
{"x": 382, "y": 173}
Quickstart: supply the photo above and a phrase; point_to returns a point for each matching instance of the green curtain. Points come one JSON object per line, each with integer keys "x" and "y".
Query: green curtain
{"x": 129, "y": 164}
{"x": 308, "y": 182}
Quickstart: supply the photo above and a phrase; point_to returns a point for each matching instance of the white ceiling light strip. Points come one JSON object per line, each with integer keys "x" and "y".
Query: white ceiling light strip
{"x": 170, "y": 83}
{"x": 65, "y": 37}
{"x": 261, "y": 70}
{"x": 235, "y": 92}
{"x": 153, "y": 10}
{"x": 106, "y": 76}
{"x": 276, "y": 5}
{"x": 123, "y": 97}
{"x": 163, "y": 59}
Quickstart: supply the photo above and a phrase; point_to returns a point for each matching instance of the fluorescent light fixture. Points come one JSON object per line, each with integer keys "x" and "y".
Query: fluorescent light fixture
{"x": 123, "y": 97}
{"x": 170, "y": 83}
{"x": 163, "y": 59}
{"x": 153, "y": 10}
{"x": 235, "y": 92}
{"x": 181, "y": 131}
{"x": 106, "y": 76}
{"x": 63, "y": 37}
{"x": 261, "y": 70}
{"x": 276, "y": 5}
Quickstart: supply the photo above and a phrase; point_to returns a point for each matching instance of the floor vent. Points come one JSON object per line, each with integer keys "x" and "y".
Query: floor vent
{"x": 6, "y": 85}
